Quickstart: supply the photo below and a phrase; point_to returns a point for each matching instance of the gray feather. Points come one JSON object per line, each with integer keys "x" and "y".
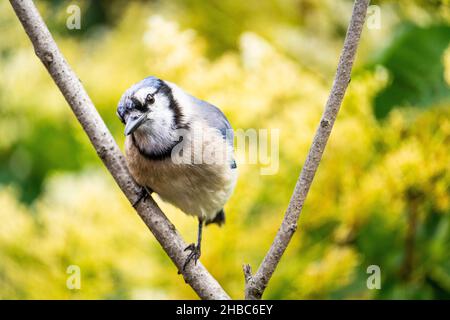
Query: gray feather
{"x": 215, "y": 118}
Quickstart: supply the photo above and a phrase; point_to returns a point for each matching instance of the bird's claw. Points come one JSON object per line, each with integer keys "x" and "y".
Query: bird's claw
{"x": 143, "y": 194}
{"x": 194, "y": 254}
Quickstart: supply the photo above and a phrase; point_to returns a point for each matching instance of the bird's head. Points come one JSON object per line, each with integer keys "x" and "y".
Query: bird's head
{"x": 151, "y": 115}
{"x": 147, "y": 106}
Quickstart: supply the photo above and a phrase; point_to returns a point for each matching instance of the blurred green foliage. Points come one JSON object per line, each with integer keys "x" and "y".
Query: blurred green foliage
{"x": 381, "y": 195}
{"x": 414, "y": 61}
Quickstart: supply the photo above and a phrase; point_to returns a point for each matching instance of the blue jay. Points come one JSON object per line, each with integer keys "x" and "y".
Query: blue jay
{"x": 181, "y": 148}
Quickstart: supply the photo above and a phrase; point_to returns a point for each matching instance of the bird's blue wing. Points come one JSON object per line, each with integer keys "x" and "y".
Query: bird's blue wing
{"x": 215, "y": 118}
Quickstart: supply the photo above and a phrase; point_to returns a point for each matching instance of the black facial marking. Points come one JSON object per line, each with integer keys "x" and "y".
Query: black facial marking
{"x": 136, "y": 102}
{"x": 154, "y": 155}
{"x": 173, "y": 104}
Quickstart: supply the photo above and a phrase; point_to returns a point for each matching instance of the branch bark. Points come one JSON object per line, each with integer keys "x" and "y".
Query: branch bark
{"x": 256, "y": 284}
{"x": 83, "y": 108}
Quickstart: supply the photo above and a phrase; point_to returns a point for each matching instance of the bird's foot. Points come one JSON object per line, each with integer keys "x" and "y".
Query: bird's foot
{"x": 193, "y": 255}
{"x": 143, "y": 194}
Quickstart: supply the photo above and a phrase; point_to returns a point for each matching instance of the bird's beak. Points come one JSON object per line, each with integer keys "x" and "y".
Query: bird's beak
{"x": 134, "y": 123}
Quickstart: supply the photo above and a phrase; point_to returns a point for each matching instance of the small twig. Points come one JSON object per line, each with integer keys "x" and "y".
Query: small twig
{"x": 72, "y": 89}
{"x": 256, "y": 284}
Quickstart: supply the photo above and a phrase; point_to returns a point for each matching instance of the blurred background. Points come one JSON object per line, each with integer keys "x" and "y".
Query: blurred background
{"x": 381, "y": 195}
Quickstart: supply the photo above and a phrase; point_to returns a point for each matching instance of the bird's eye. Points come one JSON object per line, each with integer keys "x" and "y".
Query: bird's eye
{"x": 150, "y": 99}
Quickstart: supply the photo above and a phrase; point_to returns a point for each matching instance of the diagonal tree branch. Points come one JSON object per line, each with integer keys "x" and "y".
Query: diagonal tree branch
{"x": 72, "y": 89}
{"x": 256, "y": 284}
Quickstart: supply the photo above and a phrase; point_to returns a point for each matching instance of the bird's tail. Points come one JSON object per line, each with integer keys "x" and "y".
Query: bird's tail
{"x": 219, "y": 218}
